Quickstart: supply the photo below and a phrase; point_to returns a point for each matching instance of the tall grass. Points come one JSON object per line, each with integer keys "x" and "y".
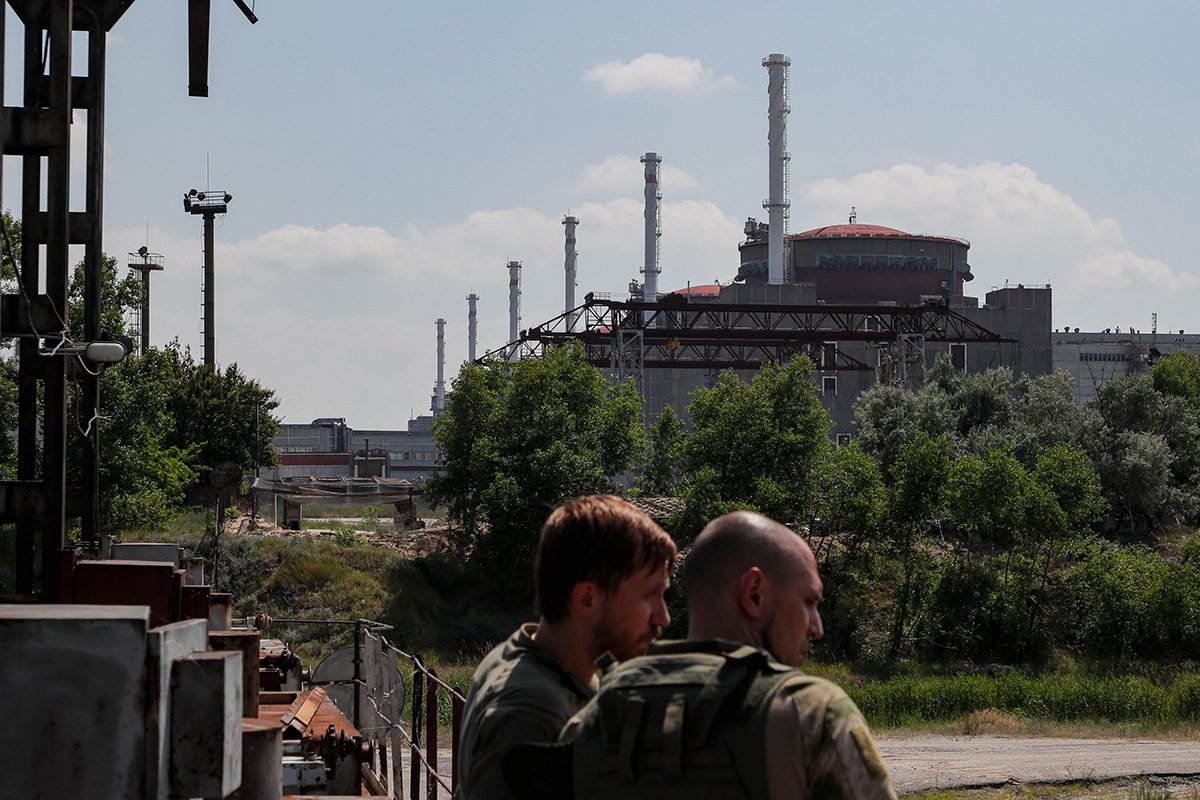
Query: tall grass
{"x": 908, "y": 701}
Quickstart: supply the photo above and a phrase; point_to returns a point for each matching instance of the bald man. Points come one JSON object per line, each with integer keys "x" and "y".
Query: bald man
{"x": 727, "y": 712}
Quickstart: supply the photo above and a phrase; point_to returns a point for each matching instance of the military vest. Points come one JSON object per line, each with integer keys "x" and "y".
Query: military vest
{"x": 686, "y": 722}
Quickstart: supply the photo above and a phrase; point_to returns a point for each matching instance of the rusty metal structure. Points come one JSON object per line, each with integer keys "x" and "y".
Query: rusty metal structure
{"x": 38, "y": 131}
{"x": 191, "y": 701}
{"x": 630, "y": 336}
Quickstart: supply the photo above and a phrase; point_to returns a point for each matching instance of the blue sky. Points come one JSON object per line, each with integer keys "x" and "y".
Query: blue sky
{"x": 387, "y": 158}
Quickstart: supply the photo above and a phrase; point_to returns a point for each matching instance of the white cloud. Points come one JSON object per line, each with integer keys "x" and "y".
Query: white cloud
{"x": 655, "y": 72}
{"x": 626, "y": 175}
{"x": 340, "y": 321}
{"x": 1021, "y": 229}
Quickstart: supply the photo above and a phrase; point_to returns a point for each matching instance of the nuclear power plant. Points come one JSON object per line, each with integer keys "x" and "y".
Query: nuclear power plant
{"x": 867, "y": 303}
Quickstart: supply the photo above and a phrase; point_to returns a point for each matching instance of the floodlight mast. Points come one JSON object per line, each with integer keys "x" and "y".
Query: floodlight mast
{"x": 208, "y": 204}
{"x": 145, "y": 262}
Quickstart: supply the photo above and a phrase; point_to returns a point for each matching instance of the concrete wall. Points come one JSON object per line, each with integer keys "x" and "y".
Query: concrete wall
{"x": 1094, "y": 358}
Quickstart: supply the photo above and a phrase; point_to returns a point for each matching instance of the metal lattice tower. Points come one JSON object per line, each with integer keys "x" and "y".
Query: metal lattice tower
{"x": 145, "y": 262}
{"x": 629, "y": 356}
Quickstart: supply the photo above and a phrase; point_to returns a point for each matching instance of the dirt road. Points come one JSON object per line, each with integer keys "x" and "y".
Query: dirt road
{"x": 932, "y": 762}
{"x": 920, "y": 763}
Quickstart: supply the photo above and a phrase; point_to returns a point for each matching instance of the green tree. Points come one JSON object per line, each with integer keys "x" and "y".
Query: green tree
{"x": 986, "y": 497}
{"x": 142, "y": 475}
{"x": 851, "y": 496}
{"x": 1178, "y": 375}
{"x": 664, "y": 462}
{"x": 518, "y": 440}
{"x": 224, "y": 414}
{"x": 756, "y": 445}
{"x": 1147, "y": 452}
{"x": 1046, "y": 415}
{"x": 117, "y": 296}
{"x": 917, "y": 503}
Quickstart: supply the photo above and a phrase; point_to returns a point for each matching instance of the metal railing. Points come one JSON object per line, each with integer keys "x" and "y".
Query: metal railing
{"x": 426, "y": 688}
{"x": 378, "y": 708}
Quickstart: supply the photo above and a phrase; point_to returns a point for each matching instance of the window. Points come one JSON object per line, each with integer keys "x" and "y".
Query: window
{"x": 828, "y": 355}
{"x": 829, "y": 385}
{"x": 1104, "y": 357}
{"x": 958, "y": 356}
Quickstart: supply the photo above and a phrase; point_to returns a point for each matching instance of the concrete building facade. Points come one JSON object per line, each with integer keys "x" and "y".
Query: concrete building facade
{"x": 328, "y": 447}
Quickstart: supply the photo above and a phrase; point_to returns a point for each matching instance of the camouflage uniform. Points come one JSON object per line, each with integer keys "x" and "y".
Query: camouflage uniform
{"x": 519, "y": 693}
{"x": 721, "y": 720}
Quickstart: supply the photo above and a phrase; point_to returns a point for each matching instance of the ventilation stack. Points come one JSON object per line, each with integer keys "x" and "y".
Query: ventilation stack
{"x": 514, "y": 307}
{"x": 569, "y": 300}
{"x": 440, "y": 388}
{"x": 777, "y": 204}
{"x": 471, "y": 300}
{"x": 653, "y": 228}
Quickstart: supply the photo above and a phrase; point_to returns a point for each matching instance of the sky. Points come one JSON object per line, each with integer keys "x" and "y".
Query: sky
{"x": 387, "y": 158}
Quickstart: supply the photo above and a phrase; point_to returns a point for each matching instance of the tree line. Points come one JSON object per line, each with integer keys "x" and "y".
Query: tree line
{"x": 985, "y": 518}
{"x": 166, "y": 421}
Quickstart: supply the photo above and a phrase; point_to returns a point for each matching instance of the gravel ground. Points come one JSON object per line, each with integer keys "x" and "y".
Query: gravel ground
{"x": 921, "y": 763}
{"x": 939, "y": 762}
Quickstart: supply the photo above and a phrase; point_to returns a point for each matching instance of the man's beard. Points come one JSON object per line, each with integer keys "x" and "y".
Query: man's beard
{"x": 622, "y": 642}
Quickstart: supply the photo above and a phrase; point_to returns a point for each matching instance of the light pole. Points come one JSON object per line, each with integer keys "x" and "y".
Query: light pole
{"x": 208, "y": 204}
{"x": 145, "y": 262}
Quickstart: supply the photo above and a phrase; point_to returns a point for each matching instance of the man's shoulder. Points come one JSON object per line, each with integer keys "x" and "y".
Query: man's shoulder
{"x": 516, "y": 673}
{"x": 808, "y": 692}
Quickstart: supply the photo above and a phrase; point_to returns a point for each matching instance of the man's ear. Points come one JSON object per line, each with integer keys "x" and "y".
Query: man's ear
{"x": 752, "y": 587}
{"x": 586, "y": 599}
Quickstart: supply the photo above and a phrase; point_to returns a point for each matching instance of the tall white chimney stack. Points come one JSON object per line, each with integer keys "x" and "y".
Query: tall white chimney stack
{"x": 653, "y": 227}
{"x": 514, "y": 305}
{"x": 569, "y": 300}
{"x": 471, "y": 300}
{"x": 440, "y": 389}
{"x": 777, "y": 204}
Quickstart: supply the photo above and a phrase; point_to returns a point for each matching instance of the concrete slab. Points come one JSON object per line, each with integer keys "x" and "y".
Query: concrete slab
{"x": 74, "y": 678}
{"x": 167, "y": 644}
{"x": 206, "y": 725}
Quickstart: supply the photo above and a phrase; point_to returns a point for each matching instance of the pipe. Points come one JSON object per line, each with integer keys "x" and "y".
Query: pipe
{"x": 471, "y": 334}
{"x": 777, "y": 204}
{"x": 569, "y": 299}
{"x": 653, "y": 212}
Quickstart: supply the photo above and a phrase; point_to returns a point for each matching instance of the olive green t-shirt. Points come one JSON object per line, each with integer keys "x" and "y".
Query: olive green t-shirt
{"x": 519, "y": 693}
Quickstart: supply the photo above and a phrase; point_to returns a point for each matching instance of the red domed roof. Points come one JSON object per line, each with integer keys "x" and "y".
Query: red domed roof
{"x": 853, "y": 229}
{"x": 703, "y": 290}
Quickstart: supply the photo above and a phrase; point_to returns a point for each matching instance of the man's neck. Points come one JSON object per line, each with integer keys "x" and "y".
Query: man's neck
{"x": 729, "y": 630}
{"x": 570, "y": 646}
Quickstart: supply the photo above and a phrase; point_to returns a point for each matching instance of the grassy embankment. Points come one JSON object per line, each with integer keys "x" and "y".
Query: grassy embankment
{"x": 436, "y": 612}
